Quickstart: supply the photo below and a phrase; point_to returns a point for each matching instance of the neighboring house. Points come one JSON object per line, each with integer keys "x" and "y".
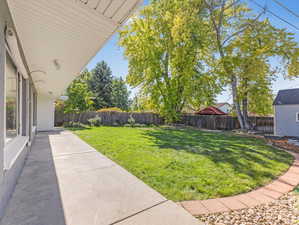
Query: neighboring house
{"x": 211, "y": 110}
{"x": 286, "y": 110}
{"x": 43, "y": 46}
{"x": 224, "y": 107}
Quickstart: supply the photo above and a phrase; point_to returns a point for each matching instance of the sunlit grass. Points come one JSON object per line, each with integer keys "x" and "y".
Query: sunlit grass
{"x": 185, "y": 164}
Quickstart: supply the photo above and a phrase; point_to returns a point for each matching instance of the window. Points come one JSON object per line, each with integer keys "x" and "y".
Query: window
{"x": 34, "y": 108}
{"x": 30, "y": 109}
{"x": 11, "y": 99}
{"x": 297, "y": 117}
{"x": 24, "y": 107}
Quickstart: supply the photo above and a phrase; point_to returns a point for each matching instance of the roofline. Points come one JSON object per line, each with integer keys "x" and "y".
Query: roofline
{"x": 288, "y": 89}
{"x": 118, "y": 26}
{"x": 284, "y": 104}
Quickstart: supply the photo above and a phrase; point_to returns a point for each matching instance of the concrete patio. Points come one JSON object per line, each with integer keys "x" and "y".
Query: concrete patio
{"x": 67, "y": 182}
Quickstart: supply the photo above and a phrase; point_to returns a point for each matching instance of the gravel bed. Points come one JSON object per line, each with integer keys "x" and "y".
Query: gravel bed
{"x": 284, "y": 211}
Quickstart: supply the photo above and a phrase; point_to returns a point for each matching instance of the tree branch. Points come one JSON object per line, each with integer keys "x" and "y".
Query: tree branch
{"x": 245, "y": 26}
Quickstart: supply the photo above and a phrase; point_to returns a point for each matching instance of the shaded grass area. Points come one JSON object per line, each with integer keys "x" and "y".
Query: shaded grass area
{"x": 188, "y": 164}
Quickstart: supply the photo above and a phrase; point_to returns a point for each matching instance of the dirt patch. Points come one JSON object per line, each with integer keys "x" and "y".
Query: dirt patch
{"x": 282, "y": 143}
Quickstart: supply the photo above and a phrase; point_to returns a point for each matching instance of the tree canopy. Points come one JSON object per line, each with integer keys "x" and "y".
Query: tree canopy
{"x": 120, "y": 94}
{"x": 164, "y": 45}
{"x": 79, "y": 96}
{"x": 183, "y": 53}
{"x": 96, "y": 90}
{"x": 100, "y": 83}
{"x": 243, "y": 47}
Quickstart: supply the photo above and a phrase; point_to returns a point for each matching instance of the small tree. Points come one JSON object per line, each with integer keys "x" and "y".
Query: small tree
{"x": 79, "y": 96}
{"x": 100, "y": 83}
{"x": 120, "y": 94}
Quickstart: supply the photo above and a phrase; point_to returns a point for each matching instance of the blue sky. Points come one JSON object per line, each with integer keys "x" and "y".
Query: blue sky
{"x": 113, "y": 54}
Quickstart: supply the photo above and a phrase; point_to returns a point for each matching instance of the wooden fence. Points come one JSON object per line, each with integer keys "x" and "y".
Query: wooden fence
{"x": 264, "y": 124}
{"x": 109, "y": 118}
{"x": 210, "y": 122}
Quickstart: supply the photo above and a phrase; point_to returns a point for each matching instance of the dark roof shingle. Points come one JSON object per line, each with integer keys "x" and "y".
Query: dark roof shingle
{"x": 287, "y": 97}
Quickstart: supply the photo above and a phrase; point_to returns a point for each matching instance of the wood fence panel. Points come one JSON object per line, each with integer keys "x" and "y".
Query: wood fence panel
{"x": 211, "y": 122}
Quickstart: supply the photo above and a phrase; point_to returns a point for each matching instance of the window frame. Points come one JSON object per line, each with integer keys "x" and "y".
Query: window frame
{"x": 19, "y": 103}
{"x": 34, "y": 107}
{"x": 13, "y": 147}
{"x": 18, "y": 97}
{"x": 24, "y": 107}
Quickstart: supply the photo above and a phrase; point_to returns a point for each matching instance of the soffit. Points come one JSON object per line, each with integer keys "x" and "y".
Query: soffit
{"x": 59, "y": 37}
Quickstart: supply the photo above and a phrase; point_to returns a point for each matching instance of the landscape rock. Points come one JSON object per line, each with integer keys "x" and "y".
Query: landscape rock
{"x": 283, "y": 211}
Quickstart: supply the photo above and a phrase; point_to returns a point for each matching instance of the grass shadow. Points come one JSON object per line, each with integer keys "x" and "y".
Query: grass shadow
{"x": 241, "y": 153}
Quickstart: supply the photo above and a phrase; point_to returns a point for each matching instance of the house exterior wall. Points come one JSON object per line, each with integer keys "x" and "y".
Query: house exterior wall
{"x": 45, "y": 113}
{"x": 225, "y": 108}
{"x": 285, "y": 120}
{"x": 10, "y": 177}
{"x": 12, "y": 154}
{"x": 27, "y": 104}
{"x": 2, "y": 99}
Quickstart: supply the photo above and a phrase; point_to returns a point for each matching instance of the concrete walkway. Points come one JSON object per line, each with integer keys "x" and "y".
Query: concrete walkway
{"x": 266, "y": 194}
{"x": 66, "y": 182}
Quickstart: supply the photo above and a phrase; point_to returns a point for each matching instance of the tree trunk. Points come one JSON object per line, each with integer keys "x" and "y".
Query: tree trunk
{"x": 236, "y": 102}
{"x": 227, "y": 69}
{"x": 245, "y": 104}
{"x": 245, "y": 112}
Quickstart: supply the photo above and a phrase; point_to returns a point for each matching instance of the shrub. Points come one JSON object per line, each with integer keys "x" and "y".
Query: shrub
{"x": 115, "y": 124}
{"x": 131, "y": 121}
{"x": 73, "y": 125}
{"x": 95, "y": 122}
{"x": 111, "y": 109}
{"x": 136, "y": 125}
{"x": 140, "y": 125}
{"x": 66, "y": 124}
{"x": 59, "y": 106}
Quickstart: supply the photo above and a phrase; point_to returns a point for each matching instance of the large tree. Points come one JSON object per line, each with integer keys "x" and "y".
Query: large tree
{"x": 120, "y": 94}
{"x": 243, "y": 47}
{"x": 163, "y": 46}
{"x": 100, "y": 83}
{"x": 141, "y": 103}
{"x": 205, "y": 87}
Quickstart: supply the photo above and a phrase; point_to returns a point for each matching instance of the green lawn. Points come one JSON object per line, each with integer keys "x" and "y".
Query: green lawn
{"x": 185, "y": 164}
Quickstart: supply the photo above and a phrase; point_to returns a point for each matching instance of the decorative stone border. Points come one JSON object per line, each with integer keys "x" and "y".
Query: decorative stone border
{"x": 266, "y": 194}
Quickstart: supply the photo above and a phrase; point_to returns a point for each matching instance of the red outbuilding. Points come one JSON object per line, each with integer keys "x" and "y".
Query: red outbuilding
{"x": 211, "y": 110}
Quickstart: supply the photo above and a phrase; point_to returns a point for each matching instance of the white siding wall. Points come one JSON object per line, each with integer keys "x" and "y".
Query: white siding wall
{"x": 8, "y": 176}
{"x": 285, "y": 120}
{"x": 10, "y": 167}
{"x": 225, "y": 108}
{"x": 2, "y": 99}
{"x": 45, "y": 113}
